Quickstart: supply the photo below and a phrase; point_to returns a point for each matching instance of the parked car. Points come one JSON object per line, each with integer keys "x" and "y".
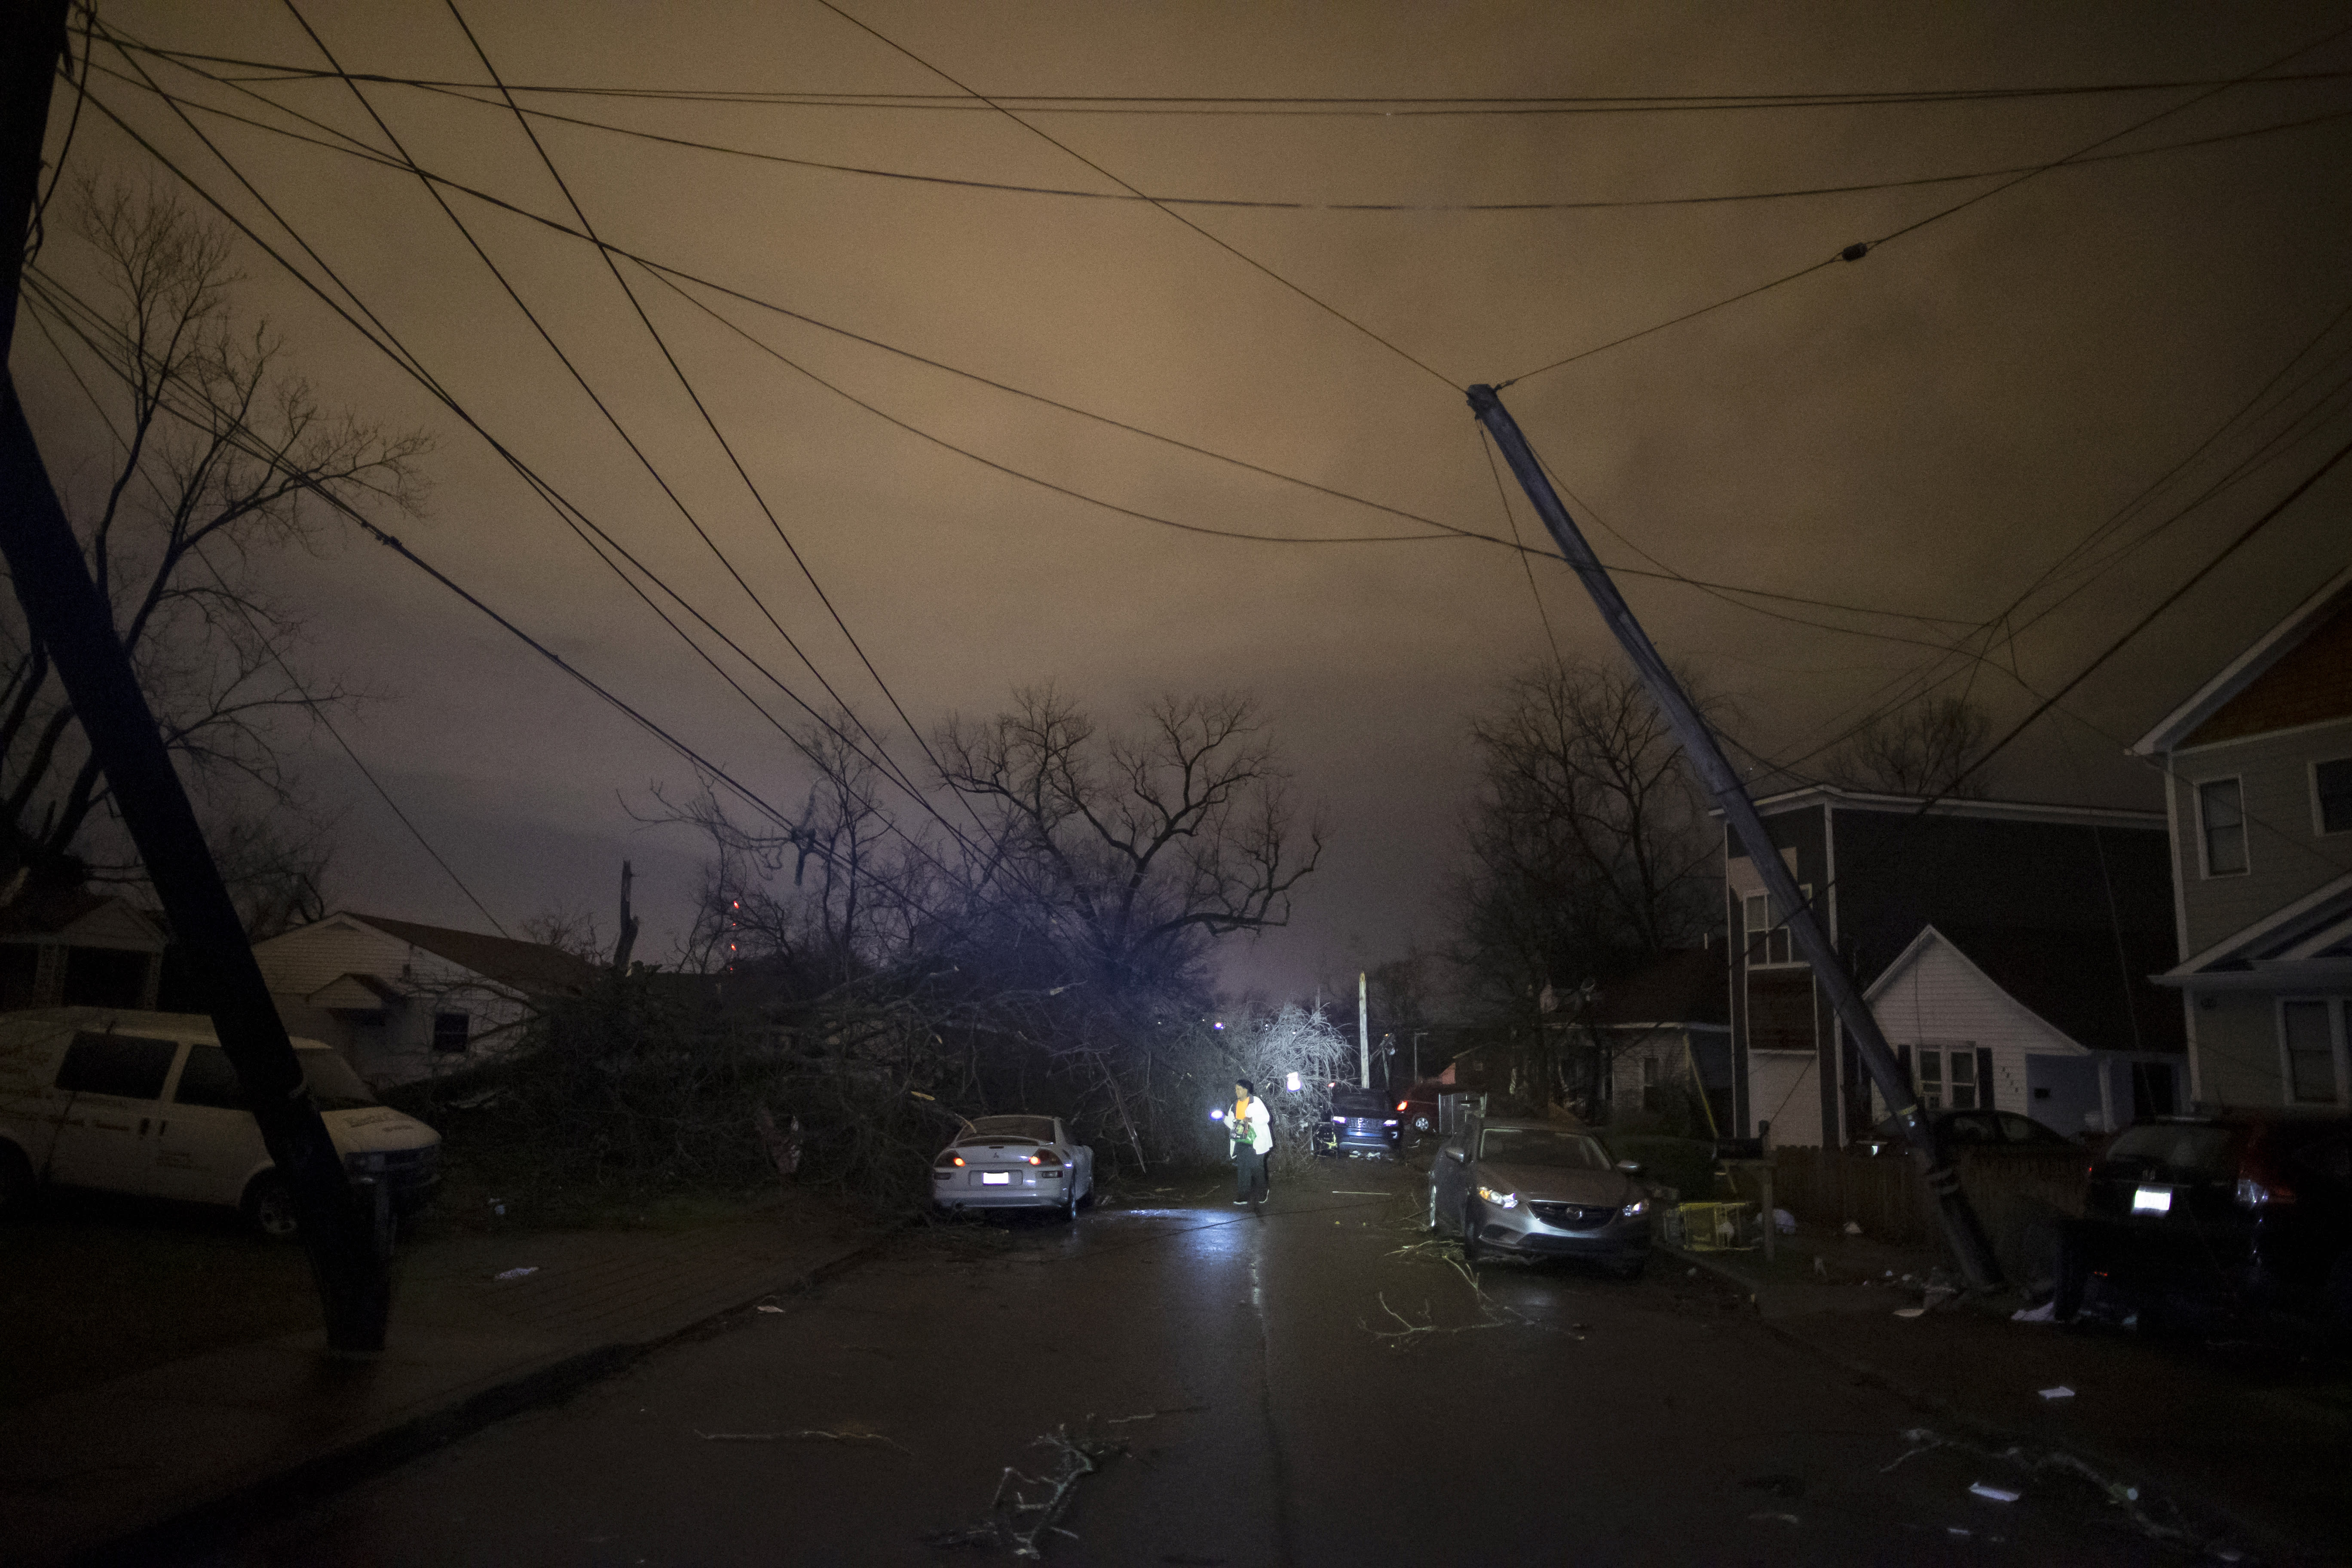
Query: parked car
{"x": 1540, "y": 1190}
{"x": 2197, "y": 1215}
{"x": 1969, "y": 1128}
{"x": 1014, "y": 1163}
{"x": 146, "y": 1103}
{"x": 1418, "y": 1105}
{"x": 1363, "y": 1124}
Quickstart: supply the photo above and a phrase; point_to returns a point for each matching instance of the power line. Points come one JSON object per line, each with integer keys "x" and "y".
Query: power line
{"x": 712, "y": 426}
{"x": 1367, "y": 106}
{"x": 1856, "y": 252}
{"x": 1249, "y": 204}
{"x": 674, "y": 277}
{"x": 1319, "y": 304}
{"x": 565, "y": 509}
{"x": 601, "y": 407}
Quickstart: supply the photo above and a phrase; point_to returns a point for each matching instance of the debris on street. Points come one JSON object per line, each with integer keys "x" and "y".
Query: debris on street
{"x": 1019, "y": 1523}
{"x": 2060, "y": 1391}
{"x": 809, "y": 1435}
{"x": 1998, "y": 1494}
{"x": 517, "y": 1273}
{"x": 2045, "y": 1313}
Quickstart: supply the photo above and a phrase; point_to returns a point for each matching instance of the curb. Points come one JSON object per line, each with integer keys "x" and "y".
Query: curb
{"x": 191, "y": 1531}
{"x": 2129, "y": 1471}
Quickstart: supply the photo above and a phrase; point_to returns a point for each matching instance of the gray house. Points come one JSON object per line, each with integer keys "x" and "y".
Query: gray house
{"x": 2258, "y": 781}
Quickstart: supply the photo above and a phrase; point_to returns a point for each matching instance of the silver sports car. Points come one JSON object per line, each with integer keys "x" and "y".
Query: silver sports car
{"x": 1014, "y": 1163}
{"x": 1536, "y": 1189}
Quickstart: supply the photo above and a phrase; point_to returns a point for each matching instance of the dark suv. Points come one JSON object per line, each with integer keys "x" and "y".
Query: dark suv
{"x": 1363, "y": 1123}
{"x": 2247, "y": 1209}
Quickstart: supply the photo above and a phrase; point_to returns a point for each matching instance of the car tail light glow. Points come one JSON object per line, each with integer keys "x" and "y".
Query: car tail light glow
{"x": 1399, "y": 1105}
{"x": 1036, "y": 1159}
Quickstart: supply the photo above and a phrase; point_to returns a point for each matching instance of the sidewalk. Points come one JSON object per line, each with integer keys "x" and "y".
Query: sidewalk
{"x": 2260, "y": 1443}
{"x": 85, "y": 1475}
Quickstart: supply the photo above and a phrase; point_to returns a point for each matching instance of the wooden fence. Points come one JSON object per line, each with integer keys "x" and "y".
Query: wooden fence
{"x": 2016, "y": 1193}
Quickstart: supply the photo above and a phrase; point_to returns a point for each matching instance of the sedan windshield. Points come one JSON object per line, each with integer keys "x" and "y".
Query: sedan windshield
{"x": 1542, "y": 1146}
{"x": 996, "y": 1129}
{"x": 2190, "y": 1150}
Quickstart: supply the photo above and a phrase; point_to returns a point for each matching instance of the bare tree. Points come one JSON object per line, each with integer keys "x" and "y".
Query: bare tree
{"x": 1136, "y": 850}
{"x": 1589, "y": 847}
{"x": 220, "y": 458}
{"x": 1922, "y": 750}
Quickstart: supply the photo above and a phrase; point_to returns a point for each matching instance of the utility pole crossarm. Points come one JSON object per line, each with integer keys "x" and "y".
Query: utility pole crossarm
{"x": 1961, "y": 1230}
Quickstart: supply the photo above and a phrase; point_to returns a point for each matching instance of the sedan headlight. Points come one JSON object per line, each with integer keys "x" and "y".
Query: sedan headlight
{"x": 1635, "y": 1209}
{"x": 1500, "y": 1200}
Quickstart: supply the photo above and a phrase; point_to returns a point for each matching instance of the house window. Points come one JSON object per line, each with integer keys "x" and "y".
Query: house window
{"x": 1768, "y": 931}
{"x": 2307, "y": 1036}
{"x": 2331, "y": 788}
{"x": 1951, "y": 1078}
{"x": 451, "y": 1031}
{"x": 2221, "y": 821}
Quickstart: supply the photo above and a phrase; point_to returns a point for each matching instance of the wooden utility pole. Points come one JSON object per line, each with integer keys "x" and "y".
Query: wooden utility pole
{"x": 74, "y": 622}
{"x": 628, "y": 941}
{"x": 1961, "y": 1228}
{"x": 1363, "y": 1036}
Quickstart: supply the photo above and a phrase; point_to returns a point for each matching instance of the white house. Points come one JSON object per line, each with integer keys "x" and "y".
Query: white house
{"x": 68, "y": 947}
{"x": 2003, "y": 1020}
{"x": 404, "y": 1001}
{"x": 2258, "y": 781}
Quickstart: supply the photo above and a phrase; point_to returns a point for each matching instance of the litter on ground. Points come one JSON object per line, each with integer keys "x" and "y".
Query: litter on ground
{"x": 1784, "y": 1222}
{"x": 519, "y": 1273}
{"x": 2045, "y": 1313}
{"x": 1910, "y": 1311}
{"x": 2060, "y": 1391}
{"x": 1998, "y": 1494}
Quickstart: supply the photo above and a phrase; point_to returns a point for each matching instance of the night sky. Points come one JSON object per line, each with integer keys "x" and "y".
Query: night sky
{"x": 1921, "y": 433}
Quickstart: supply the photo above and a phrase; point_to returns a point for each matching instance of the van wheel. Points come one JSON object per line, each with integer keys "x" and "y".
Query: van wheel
{"x": 17, "y": 1183}
{"x": 270, "y": 1204}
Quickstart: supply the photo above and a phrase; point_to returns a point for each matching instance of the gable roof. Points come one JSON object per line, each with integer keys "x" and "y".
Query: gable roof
{"x": 2092, "y": 987}
{"x": 1844, "y": 799}
{"x": 1685, "y": 986}
{"x": 533, "y": 968}
{"x": 105, "y": 919}
{"x": 2333, "y": 601}
{"x": 2314, "y": 929}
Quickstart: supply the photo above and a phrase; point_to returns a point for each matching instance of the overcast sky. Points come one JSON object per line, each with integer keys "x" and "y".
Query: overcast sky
{"x": 1921, "y": 433}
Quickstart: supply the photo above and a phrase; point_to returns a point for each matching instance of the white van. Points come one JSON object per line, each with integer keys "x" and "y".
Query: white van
{"x": 147, "y": 1103}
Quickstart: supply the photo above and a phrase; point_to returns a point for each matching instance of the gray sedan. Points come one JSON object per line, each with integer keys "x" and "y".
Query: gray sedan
{"x": 1540, "y": 1190}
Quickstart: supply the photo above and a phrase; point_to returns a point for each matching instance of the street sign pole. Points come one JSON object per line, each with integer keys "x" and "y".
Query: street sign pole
{"x": 1960, "y": 1228}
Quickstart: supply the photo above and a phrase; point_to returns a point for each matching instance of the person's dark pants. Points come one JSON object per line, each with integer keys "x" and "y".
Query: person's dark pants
{"x": 1249, "y": 1175}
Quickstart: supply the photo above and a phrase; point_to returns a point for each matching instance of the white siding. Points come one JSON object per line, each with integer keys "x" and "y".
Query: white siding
{"x": 399, "y": 1048}
{"x": 1783, "y": 1089}
{"x": 1936, "y": 997}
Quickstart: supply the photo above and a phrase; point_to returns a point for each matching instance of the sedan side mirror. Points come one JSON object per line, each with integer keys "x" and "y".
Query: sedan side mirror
{"x": 1453, "y": 1152}
{"x": 1630, "y": 1167}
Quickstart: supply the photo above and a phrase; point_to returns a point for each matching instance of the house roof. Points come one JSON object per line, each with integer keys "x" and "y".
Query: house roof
{"x": 1685, "y": 986}
{"x": 56, "y": 912}
{"x": 2315, "y": 929}
{"x": 1845, "y": 799}
{"x": 2276, "y": 644}
{"x": 532, "y": 967}
{"x": 2092, "y": 987}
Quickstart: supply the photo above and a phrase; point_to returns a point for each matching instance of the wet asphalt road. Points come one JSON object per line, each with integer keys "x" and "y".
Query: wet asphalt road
{"x": 1240, "y": 1357}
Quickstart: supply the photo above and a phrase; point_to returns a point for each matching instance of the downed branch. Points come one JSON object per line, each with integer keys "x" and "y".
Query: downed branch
{"x": 2174, "y": 1529}
{"x": 806, "y": 1435}
{"x": 1155, "y": 1414}
{"x": 1018, "y": 1522}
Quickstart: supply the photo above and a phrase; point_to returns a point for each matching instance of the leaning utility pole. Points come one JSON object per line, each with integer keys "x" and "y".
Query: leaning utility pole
{"x": 1363, "y": 1036}
{"x": 1961, "y": 1228}
{"x": 73, "y": 621}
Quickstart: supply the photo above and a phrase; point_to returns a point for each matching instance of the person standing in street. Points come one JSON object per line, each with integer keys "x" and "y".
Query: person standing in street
{"x": 1253, "y": 1134}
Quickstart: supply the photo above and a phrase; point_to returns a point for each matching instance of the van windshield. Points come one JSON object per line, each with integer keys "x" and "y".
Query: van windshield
{"x": 333, "y": 1082}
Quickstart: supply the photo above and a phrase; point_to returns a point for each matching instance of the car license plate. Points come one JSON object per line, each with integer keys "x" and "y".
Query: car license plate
{"x": 996, "y": 1178}
{"x": 2152, "y": 1200}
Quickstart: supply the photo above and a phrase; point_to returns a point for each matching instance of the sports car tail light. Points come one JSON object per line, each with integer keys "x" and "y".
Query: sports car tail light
{"x": 1038, "y": 1159}
{"x": 955, "y": 1159}
{"x": 1399, "y": 1105}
